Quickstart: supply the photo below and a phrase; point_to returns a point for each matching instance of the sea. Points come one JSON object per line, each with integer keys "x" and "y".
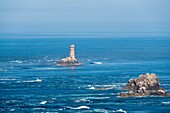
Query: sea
{"x": 30, "y": 80}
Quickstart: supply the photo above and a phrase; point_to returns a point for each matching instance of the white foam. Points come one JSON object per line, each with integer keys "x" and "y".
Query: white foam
{"x": 101, "y": 87}
{"x": 96, "y": 62}
{"x": 109, "y": 85}
{"x": 45, "y": 68}
{"x": 80, "y": 107}
{"x": 166, "y": 103}
{"x": 61, "y": 109}
{"x": 120, "y": 111}
{"x": 3, "y": 70}
{"x": 82, "y": 100}
{"x": 100, "y": 111}
{"x": 92, "y": 87}
{"x": 37, "y": 80}
{"x": 12, "y": 110}
{"x": 98, "y": 97}
{"x": 16, "y": 61}
{"x": 43, "y": 102}
{"x": 38, "y": 108}
{"x": 11, "y": 101}
{"x": 7, "y": 79}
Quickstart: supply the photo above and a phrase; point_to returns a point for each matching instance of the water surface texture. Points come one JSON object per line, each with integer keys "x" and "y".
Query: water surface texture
{"x": 31, "y": 82}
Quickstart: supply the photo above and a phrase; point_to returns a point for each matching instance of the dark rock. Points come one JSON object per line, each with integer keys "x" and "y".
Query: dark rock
{"x": 144, "y": 85}
{"x": 68, "y": 62}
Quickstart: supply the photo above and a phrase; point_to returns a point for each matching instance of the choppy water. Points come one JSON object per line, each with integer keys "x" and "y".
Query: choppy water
{"x": 31, "y": 82}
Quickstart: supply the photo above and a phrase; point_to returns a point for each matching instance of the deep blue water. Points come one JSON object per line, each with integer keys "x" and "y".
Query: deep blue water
{"x": 31, "y": 82}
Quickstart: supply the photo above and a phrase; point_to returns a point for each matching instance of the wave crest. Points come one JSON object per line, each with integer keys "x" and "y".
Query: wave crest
{"x": 16, "y": 61}
{"x": 82, "y": 100}
{"x": 120, "y": 111}
{"x": 80, "y": 107}
{"x": 37, "y": 80}
{"x": 101, "y": 87}
{"x": 43, "y": 102}
{"x": 166, "y": 103}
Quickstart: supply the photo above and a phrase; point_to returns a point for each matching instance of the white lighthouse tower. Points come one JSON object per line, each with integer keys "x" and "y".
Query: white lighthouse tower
{"x": 72, "y": 52}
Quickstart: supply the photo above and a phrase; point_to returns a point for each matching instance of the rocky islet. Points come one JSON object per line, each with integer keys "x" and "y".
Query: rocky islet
{"x": 144, "y": 85}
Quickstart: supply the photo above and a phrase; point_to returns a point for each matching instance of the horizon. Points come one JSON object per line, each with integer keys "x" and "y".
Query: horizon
{"x": 83, "y": 35}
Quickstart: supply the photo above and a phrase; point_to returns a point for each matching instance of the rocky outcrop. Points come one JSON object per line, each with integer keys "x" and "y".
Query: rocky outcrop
{"x": 68, "y": 62}
{"x": 144, "y": 85}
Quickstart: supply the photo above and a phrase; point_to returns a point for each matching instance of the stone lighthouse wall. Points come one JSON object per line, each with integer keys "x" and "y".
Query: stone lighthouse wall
{"x": 72, "y": 53}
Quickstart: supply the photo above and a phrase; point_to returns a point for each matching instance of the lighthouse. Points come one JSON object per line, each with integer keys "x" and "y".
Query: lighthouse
{"x": 71, "y": 60}
{"x": 72, "y": 53}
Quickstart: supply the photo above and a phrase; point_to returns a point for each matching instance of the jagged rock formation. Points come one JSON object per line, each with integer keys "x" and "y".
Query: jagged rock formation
{"x": 144, "y": 85}
{"x": 69, "y": 61}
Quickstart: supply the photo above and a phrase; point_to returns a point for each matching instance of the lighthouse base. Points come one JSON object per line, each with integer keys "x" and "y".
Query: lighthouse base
{"x": 68, "y": 62}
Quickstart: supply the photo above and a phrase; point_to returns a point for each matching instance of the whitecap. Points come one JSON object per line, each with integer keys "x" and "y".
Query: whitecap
{"x": 92, "y": 87}
{"x": 166, "y": 103}
{"x": 109, "y": 85}
{"x": 98, "y": 97}
{"x": 7, "y": 79}
{"x": 101, "y": 111}
{"x": 120, "y": 111}
{"x": 37, "y": 80}
{"x": 96, "y": 62}
{"x": 3, "y": 70}
{"x": 11, "y": 101}
{"x": 101, "y": 87}
{"x": 80, "y": 107}
{"x": 43, "y": 102}
{"x": 82, "y": 100}
{"x": 12, "y": 110}
{"x": 38, "y": 108}
{"x": 16, "y": 61}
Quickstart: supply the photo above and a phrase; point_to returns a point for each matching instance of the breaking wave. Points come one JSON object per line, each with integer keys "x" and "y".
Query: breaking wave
{"x": 7, "y": 79}
{"x": 37, "y": 80}
{"x": 43, "y": 102}
{"x": 80, "y": 107}
{"x": 96, "y": 63}
{"x": 16, "y": 61}
{"x": 82, "y": 100}
{"x": 119, "y": 111}
{"x": 12, "y": 110}
{"x": 92, "y": 87}
{"x": 100, "y": 111}
{"x": 101, "y": 87}
{"x": 166, "y": 103}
